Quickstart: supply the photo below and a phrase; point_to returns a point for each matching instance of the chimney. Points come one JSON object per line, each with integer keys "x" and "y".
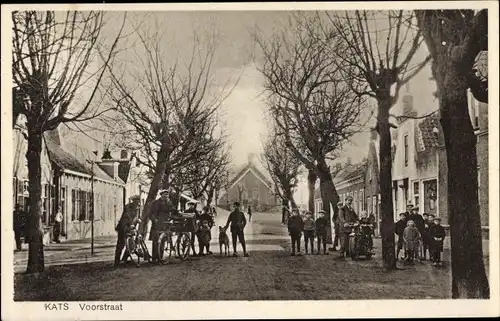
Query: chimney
{"x": 123, "y": 154}
{"x": 109, "y": 165}
{"x": 408, "y": 110}
{"x": 250, "y": 158}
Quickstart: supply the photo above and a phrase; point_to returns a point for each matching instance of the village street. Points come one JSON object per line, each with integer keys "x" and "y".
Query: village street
{"x": 268, "y": 274}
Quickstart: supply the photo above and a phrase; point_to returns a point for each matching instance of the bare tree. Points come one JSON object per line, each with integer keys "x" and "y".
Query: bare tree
{"x": 455, "y": 39}
{"x": 282, "y": 166}
{"x": 53, "y": 60}
{"x": 379, "y": 60}
{"x": 170, "y": 109}
{"x": 311, "y": 103}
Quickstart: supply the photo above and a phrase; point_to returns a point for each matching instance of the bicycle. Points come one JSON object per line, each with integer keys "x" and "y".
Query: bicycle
{"x": 134, "y": 244}
{"x": 166, "y": 245}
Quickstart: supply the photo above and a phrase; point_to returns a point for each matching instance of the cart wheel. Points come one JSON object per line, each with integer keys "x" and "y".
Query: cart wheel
{"x": 130, "y": 245}
{"x": 164, "y": 251}
{"x": 183, "y": 245}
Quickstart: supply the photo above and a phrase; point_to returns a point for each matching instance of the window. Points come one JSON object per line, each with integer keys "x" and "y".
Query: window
{"x": 355, "y": 201}
{"x": 75, "y": 205}
{"x": 45, "y": 204}
{"x": 90, "y": 206}
{"x": 83, "y": 205}
{"x": 63, "y": 201}
{"x": 406, "y": 149}
{"x": 369, "y": 204}
{"x": 361, "y": 199}
{"x": 22, "y": 194}
{"x": 416, "y": 193}
{"x": 375, "y": 205}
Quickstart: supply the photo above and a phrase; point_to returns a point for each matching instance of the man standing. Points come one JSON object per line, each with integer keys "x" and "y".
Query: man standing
{"x": 192, "y": 209}
{"x": 347, "y": 216}
{"x": 238, "y": 223}
{"x": 249, "y": 213}
{"x": 129, "y": 217}
{"x": 161, "y": 211}
{"x": 57, "y": 225}
{"x": 18, "y": 221}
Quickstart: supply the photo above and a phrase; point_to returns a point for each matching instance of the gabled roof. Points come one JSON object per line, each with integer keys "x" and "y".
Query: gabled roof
{"x": 67, "y": 161}
{"x": 350, "y": 172}
{"x": 250, "y": 167}
{"x": 427, "y": 138}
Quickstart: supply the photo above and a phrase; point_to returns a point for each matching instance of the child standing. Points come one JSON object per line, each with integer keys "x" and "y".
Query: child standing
{"x": 400, "y": 228}
{"x": 321, "y": 224}
{"x": 437, "y": 234}
{"x": 411, "y": 237}
{"x": 309, "y": 232}
{"x": 295, "y": 228}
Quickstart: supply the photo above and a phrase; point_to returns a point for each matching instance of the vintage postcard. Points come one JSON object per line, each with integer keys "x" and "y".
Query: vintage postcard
{"x": 250, "y": 160}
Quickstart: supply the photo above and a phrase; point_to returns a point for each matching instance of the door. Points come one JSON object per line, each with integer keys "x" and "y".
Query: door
{"x": 430, "y": 197}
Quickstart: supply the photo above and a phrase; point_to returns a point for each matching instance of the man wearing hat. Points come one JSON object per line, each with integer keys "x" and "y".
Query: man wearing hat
{"x": 192, "y": 209}
{"x": 161, "y": 211}
{"x": 238, "y": 222}
{"x": 129, "y": 217}
{"x": 347, "y": 216}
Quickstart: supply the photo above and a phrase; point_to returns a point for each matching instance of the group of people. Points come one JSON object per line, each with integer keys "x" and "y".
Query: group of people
{"x": 419, "y": 235}
{"x": 310, "y": 227}
{"x": 162, "y": 211}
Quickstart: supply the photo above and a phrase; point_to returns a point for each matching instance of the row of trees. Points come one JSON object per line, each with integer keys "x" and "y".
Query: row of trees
{"x": 321, "y": 68}
{"x": 168, "y": 113}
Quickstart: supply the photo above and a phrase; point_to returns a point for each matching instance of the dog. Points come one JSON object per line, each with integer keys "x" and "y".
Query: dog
{"x": 223, "y": 240}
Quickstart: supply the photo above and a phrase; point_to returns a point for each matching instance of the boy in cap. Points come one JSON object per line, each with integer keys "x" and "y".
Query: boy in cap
{"x": 238, "y": 222}
{"x": 399, "y": 230}
{"x": 192, "y": 209}
{"x": 321, "y": 225}
{"x": 437, "y": 234}
{"x": 295, "y": 228}
{"x": 129, "y": 217}
{"x": 161, "y": 211}
{"x": 309, "y": 232}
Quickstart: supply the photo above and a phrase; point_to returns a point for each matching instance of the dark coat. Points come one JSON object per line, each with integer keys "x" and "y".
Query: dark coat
{"x": 400, "y": 227}
{"x": 295, "y": 224}
{"x": 128, "y": 217}
{"x": 346, "y": 215}
{"x": 161, "y": 210}
{"x": 237, "y": 220}
{"x": 321, "y": 225}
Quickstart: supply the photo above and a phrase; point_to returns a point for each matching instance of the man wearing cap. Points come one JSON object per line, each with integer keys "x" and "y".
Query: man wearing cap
{"x": 129, "y": 217}
{"x": 161, "y": 211}
{"x": 192, "y": 209}
{"x": 321, "y": 225}
{"x": 437, "y": 235}
{"x": 347, "y": 216}
{"x": 238, "y": 222}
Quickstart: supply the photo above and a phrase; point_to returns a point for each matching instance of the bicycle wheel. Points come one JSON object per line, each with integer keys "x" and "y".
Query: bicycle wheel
{"x": 183, "y": 245}
{"x": 130, "y": 246}
{"x": 164, "y": 249}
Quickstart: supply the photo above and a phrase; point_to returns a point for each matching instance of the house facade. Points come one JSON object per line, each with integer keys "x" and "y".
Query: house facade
{"x": 250, "y": 187}
{"x": 372, "y": 188}
{"x": 67, "y": 183}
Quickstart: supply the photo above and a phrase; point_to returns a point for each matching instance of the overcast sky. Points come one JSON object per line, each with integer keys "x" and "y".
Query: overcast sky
{"x": 243, "y": 111}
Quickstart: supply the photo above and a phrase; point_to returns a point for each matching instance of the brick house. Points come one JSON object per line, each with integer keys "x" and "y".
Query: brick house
{"x": 348, "y": 181}
{"x": 251, "y": 187}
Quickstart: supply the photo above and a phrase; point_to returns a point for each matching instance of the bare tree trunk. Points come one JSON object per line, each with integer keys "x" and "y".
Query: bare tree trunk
{"x": 469, "y": 278}
{"x": 328, "y": 195}
{"x": 36, "y": 261}
{"x": 161, "y": 164}
{"x": 284, "y": 202}
{"x": 387, "y": 226}
{"x": 311, "y": 184}
{"x": 210, "y": 196}
{"x": 287, "y": 191}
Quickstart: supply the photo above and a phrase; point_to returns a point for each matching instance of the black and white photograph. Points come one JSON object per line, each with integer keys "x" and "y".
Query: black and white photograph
{"x": 216, "y": 154}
